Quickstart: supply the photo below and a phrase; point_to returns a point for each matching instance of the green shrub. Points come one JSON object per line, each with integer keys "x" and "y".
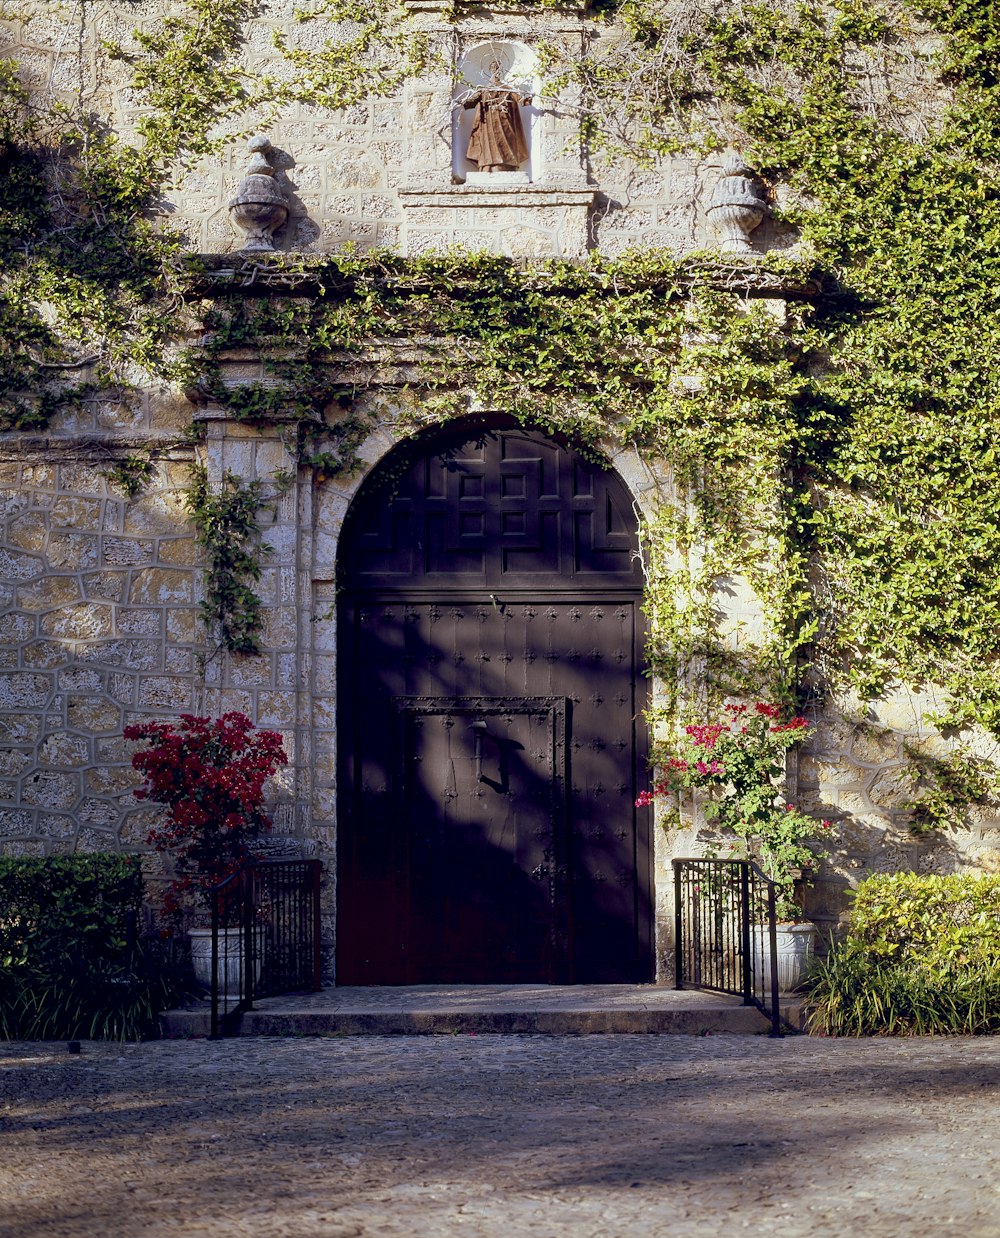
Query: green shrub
{"x": 71, "y": 963}
{"x": 922, "y": 955}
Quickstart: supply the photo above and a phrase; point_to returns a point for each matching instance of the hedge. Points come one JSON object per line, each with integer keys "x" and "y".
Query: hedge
{"x": 71, "y": 964}
{"x": 922, "y": 955}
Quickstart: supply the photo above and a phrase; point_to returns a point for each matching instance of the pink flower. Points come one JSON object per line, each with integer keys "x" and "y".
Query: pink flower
{"x": 706, "y": 736}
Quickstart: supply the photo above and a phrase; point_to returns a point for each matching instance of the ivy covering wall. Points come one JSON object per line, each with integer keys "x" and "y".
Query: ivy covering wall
{"x": 843, "y": 459}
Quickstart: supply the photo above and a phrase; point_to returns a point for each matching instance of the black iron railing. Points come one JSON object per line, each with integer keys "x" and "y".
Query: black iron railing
{"x": 725, "y": 934}
{"x": 265, "y": 936}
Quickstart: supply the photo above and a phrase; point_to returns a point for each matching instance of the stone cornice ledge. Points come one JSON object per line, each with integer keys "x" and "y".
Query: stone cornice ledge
{"x": 458, "y": 9}
{"x": 310, "y": 274}
{"x": 512, "y": 195}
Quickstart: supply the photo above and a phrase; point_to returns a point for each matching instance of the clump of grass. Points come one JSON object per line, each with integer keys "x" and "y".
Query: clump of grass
{"x": 851, "y": 996}
{"x": 96, "y": 1000}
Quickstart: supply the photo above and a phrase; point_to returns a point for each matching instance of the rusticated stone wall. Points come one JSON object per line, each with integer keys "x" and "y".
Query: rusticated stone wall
{"x": 98, "y": 624}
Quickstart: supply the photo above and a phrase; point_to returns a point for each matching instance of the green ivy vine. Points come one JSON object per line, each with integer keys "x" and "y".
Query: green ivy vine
{"x": 226, "y": 520}
{"x": 946, "y": 787}
{"x": 131, "y": 474}
{"x": 885, "y": 509}
{"x": 842, "y": 461}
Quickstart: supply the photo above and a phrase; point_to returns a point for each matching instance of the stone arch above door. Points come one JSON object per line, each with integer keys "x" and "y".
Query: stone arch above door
{"x": 490, "y": 700}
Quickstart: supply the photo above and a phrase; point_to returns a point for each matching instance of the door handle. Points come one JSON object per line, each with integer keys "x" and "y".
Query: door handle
{"x": 479, "y": 730}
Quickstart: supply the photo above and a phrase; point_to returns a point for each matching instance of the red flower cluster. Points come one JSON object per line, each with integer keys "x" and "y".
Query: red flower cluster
{"x": 747, "y": 751}
{"x": 710, "y": 767}
{"x": 210, "y": 773}
{"x": 706, "y": 736}
{"x": 768, "y": 710}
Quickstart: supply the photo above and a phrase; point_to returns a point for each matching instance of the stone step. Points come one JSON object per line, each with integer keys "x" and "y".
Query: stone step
{"x": 497, "y": 1009}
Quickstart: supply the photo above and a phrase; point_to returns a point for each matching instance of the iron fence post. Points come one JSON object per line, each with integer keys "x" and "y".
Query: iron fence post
{"x": 248, "y": 890}
{"x": 214, "y": 1025}
{"x": 745, "y": 933}
{"x": 678, "y": 928}
{"x": 772, "y": 933}
{"x": 316, "y": 926}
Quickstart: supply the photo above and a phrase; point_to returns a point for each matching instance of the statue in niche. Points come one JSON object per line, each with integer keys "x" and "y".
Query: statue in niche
{"x": 497, "y": 142}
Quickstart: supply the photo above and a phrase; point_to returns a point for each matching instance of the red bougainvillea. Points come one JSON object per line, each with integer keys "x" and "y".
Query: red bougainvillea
{"x": 738, "y": 764}
{"x": 210, "y": 774}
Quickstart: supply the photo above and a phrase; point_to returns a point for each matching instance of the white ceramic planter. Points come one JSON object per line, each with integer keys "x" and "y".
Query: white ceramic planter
{"x": 230, "y": 960}
{"x": 795, "y": 949}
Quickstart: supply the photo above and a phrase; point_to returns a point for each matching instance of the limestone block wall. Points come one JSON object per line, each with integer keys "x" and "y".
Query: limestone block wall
{"x": 854, "y": 771}
{"x": 275, "y": 686}
{"x": 98, "y": 625}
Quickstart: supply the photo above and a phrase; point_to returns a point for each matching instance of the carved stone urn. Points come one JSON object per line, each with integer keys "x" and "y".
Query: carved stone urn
{"x": 259, "y": 208}
{"x": 738, "y": 205}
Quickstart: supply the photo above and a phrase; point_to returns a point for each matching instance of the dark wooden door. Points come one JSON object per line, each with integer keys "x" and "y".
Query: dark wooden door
{"x": 490, "y": 720}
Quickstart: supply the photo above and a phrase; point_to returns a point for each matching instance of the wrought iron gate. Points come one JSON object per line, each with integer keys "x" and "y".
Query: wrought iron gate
{"x": 725, "y": 934}
{"x": 265, "y": 936}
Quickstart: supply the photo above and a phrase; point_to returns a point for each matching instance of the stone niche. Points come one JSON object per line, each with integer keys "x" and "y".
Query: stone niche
{"x": 514, "y": 65}
{"x": 522, "y": 221}
{"x": 541, "y": 208}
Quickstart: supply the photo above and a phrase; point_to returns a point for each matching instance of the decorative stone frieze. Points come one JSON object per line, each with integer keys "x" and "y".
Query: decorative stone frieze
{"x": 521, "y": 221}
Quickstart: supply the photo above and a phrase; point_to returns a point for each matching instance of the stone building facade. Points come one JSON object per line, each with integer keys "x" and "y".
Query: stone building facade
{"x": 99, "y": 591}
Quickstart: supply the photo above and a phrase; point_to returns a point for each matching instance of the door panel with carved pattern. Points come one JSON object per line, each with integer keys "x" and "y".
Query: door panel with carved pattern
{"x": 490, "y": 720}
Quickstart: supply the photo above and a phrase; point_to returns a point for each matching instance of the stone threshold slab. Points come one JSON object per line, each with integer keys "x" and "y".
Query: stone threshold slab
{"x": 491, "y": 1009}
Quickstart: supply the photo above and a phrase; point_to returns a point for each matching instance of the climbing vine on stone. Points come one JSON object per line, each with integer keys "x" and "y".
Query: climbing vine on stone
{"x": 226, "y": 521}
{"x": 842, "y": 461}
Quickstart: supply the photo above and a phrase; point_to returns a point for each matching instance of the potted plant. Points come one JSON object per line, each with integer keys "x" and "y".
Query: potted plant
{"x": 210, "y": 775}
{"x": 738, "y": 765}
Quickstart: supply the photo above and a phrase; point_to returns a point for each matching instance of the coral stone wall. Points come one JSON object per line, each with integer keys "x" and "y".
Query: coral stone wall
{"x": 382, "y": 173}
{"x": 98, "y": 624}
{"x": 99, "y": 620}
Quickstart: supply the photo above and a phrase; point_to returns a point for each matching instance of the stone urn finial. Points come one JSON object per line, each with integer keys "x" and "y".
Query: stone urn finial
{"x": 259, "y": 208}
{"x": 737, "y": 207}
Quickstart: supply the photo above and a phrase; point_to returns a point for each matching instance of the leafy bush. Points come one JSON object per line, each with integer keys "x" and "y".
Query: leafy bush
{"x": 739, "y": 763}
{"x": 210, "y": 774}
{"x": 71, "y": 964}
{"x": 922, "y": 955}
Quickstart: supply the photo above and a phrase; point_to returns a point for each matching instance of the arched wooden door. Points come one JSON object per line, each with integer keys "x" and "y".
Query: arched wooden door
{"x": 490, "y": 720}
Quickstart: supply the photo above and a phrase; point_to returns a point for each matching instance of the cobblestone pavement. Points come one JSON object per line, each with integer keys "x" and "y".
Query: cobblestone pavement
{"x": 594, "y": 1136}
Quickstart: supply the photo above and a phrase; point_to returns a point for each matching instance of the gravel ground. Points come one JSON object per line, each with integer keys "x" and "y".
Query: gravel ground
{"x": 603, "y": 1136}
